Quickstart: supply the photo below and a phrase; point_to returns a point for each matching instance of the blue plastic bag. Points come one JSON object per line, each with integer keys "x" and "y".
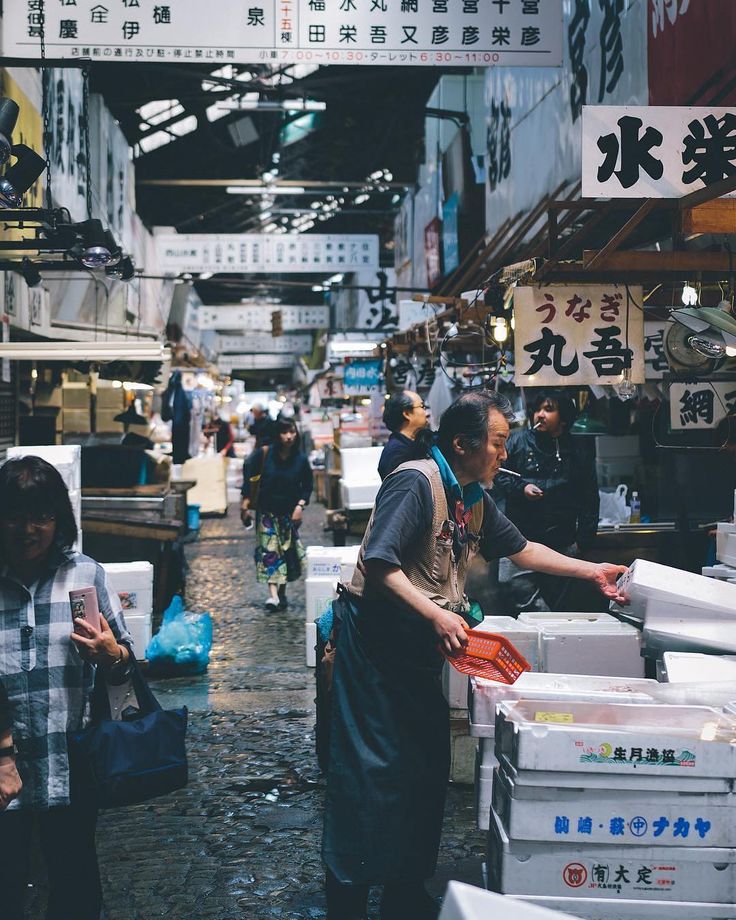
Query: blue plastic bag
{"x": 184, "y": 641}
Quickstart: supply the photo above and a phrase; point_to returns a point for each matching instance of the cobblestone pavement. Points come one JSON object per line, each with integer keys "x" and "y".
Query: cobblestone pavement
{"x": 243, "y": 839}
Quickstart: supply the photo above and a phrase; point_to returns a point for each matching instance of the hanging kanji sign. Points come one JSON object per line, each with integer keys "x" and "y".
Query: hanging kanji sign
{"x": 443, "y": 33}
{"x": 656, "y": 151}
{"x": 701, "y": 404}
{"x": 578, "y": 335}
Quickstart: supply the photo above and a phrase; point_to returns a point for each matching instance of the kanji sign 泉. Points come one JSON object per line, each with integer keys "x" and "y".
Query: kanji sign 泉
{"x": 262, "y": 252}
{"x": 447, "y": 33}
{"x": 577, "y": 335}
{"x": 655, "y": 151}
{"x": 257, "y": 317}
{"x": 701, "y": 404}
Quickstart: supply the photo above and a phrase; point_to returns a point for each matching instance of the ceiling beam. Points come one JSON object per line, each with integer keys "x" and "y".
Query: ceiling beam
{"x": 285, "y": 184}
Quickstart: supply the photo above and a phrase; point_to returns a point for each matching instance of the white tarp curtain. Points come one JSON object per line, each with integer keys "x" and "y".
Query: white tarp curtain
{"x": 67, "y": 148}
{"x": 110, "y": 158}
{"x": 534, "y": 135}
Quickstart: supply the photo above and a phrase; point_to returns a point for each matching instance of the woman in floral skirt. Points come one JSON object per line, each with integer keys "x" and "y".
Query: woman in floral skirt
{"x": 285, "y": 489}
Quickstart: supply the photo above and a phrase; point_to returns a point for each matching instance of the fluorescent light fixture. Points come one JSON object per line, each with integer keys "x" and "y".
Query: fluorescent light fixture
{"x": 134, "y": 385}
{"x": 123, "y": 350}
{"x": 335, "y": 279}
{"x": 265, "y": 190}
{"x": 203, "y": 276}
{"x": 352, "y": 348}
{"x": 272, "y": 105}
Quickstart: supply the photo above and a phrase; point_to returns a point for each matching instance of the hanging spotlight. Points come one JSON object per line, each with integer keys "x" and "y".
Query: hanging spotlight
{"x": 31, "y": 274}
{"x": 96, "y": 252}
{"x": 500, "y": 329}
{"x": 19, "y": 177}
{"x": 116, "y": 253}
{"x": 8, "y": 116}
{"x": 123, "y": 269}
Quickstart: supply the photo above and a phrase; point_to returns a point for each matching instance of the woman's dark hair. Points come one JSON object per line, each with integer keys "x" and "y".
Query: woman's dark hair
{"x": 396, "y": 406}
{"x": 560, "y": 399}
{"x": 468, "y": 417}
{"x": 29, "y": 486}
{"x": 285, "y": 423}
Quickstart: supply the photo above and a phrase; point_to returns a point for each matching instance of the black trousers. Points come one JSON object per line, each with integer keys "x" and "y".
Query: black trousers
{"x": 67, "y": 837}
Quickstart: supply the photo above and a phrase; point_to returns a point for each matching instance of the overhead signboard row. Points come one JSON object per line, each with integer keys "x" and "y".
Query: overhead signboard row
{"x": 226, "y": 364}
{"x": 444, "y": 33}
{"x": 264, "y": 342}
{"x": 257, "y": 317}
{"x": 240, "y": 253}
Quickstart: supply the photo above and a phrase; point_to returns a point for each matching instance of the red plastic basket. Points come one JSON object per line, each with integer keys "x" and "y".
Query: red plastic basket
{"x": 490, "y": 656}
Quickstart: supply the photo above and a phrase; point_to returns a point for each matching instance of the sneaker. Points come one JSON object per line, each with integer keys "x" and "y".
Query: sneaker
{"x": 272, "y": 604}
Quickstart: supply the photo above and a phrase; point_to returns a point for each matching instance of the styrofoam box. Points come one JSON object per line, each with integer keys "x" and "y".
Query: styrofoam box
{"x": 67, "y": 458}
{"x": 133, "y": 583}
{"x": 719, "y": 570}
{"x": 569, "y": 869}
{"x": 683, "y": 667}
{"x": 626, "y": 909}
{"x": 311, "y": 644}
{"x": 483, "y": 790}
{"x": 320, "y": 592}
{"x": 487, "y": 752}
{"x": 602, "y": 649}
{"x": 331, "y": 561}
{"x": 358, "y": 496}
{"x": 646, "y": 581}
{"x": 726, "y": 543}
{"x": 464, "y": 902}
{"x": 139, "y": 626}
{"x": 587, "y": 737}
{"x": 573, "y": 616}
{"x": 614, "y": 817}
{"x": 485, "y": 695}
{"x": 714, "y": 635}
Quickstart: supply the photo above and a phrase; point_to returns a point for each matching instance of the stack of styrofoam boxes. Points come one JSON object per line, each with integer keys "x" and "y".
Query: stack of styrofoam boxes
{"x": 133, "y": 583}
{"x": 615, "y": 810}
{"x": 586, "y": 643}
{"x": 464, "y": 902}
{"x": 472, "y": 746}
{"x": 360, "y": 482}
{"x": 67, "y": 459}
{"x": 485, "y": 695}
{"x": 691, "y": 667}
{"x": 326, "y": 566}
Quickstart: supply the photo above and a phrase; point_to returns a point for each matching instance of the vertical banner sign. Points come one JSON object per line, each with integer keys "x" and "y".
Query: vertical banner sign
{"x": 656, "y": 151}
{"x": 450, "y": 244}
{"x": 362, "y": 377}
{"x": 432, "y": 251}
{"x": 701, "y": 404}
{"x": 446, "y": 33}
{"x": 577, "y": 335}
{"x": 263, "y": 252}
{"x": 655, "y": 361}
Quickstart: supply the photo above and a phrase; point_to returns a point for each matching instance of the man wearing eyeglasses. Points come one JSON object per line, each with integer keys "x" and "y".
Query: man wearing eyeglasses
{"x": 406, "y": 417}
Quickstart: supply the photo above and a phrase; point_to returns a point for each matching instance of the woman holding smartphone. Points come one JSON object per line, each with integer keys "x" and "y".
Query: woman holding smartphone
{"x": 48, "y": 671}
{"x": 285, "y": 488}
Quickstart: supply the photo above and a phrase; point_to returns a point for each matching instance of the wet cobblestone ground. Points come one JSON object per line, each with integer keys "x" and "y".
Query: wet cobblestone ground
{"x": 243, "y": 839}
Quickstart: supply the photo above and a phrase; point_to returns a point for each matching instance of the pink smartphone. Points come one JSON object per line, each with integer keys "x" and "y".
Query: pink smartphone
{"x": 84, "y": 604}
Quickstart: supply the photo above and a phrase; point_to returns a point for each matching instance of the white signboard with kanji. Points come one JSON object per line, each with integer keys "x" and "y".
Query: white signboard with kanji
{"x": 443, "y": 33}
{"x": 264, "y": 342}
{"x": 655, "y": 151}
{"x": 226, "y": 364}
{"x": 577, "y": 335}
{"x": 655, "y": 360}
{"x": 257, "y": 317}
{"x": 261, "y": 252}
{"x": 701, "y": 404}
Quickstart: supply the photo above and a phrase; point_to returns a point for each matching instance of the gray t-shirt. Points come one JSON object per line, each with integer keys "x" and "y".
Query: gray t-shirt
{"x": 404, "y": 513}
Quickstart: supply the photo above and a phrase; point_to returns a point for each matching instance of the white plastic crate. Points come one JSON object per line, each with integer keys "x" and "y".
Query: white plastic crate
{"x": 609, "y": 650}
{"x": 641, "y": 873}
{"x": 311, "y": 644}
{"x": 67, "y": 458}
{"x": 139, "y": 626}
{"x": 635, "y": 817}
{"x": 319, "y": 592}
{"x": 331, "y": 561}
{"x": 133, "y": 583}
{"x": 485, "y": 695}
{"x": 617, "y": 738}
{"x": 627, "y": 909}
{"x": 464, "y": 902}
{"x": 684, "y": 667}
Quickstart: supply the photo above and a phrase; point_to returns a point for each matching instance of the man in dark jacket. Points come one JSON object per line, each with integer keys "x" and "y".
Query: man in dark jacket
{"x": 553, "y": 501}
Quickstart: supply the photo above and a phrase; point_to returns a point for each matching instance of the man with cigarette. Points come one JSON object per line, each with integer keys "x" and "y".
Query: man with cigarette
{"x": 551, "y": 493}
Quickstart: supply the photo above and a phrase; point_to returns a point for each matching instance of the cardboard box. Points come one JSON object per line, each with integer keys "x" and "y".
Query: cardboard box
{"x": 580, "y": 870}
{"x": 76, "y": 420}
{"x": 110, "y": 397}
{"x": 105, "y": 421}
{"x": 637, "y": 817}
{"x": 76, "y": 395}
{"x": 617, "y": 738}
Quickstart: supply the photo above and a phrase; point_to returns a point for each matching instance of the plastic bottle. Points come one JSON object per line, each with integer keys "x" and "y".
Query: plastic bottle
{"x": 635, "y": 517}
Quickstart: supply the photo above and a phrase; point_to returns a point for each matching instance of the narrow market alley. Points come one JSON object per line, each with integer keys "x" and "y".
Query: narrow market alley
{"x": 243, "y": 840}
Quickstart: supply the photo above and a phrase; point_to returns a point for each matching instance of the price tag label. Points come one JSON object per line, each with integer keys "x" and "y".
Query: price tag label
{"x": 564, "y": 718}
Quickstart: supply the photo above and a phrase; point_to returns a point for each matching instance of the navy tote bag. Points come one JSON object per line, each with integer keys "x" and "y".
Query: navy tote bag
{"x": 132, "y": 760}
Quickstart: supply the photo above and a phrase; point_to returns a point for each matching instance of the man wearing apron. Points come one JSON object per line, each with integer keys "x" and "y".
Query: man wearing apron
{"x": 389, "y": 741}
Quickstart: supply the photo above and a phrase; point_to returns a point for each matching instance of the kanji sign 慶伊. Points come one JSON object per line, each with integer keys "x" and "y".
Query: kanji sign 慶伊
{"x": 263, "y": 252}
{"x": 656, "y": 151}
{"x": 446, "y": 33}
{"x": 578, "y": 335}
